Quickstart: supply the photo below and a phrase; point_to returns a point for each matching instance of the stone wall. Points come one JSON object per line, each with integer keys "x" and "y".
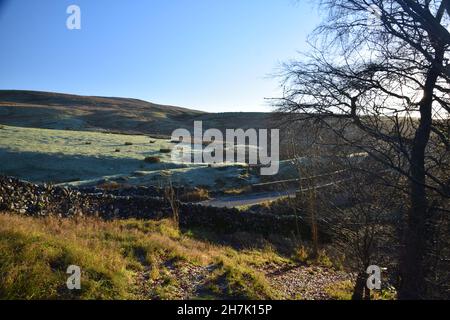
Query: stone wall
{"x": 43, "y": 200}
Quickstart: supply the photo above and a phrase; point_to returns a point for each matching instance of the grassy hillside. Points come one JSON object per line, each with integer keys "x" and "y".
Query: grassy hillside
{"x": 140, "y": 259}
{"x": 83, "y": 157}
{"x": 125, "y": 259}
{"x": 63, "y": 111}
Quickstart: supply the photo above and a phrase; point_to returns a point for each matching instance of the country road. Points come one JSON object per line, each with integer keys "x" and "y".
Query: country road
{"x": 257, "y": 198}
{"x": 247, "y": 199}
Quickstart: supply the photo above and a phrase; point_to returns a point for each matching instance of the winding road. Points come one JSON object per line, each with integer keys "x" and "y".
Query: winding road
{"x": 248, "y": 199}
{"x": 257, "y": 198}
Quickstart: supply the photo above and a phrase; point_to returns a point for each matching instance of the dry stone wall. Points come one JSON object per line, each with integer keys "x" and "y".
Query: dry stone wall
{"x": 143, "y": 203}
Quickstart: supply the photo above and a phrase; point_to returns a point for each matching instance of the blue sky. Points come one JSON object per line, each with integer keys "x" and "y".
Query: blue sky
{"x": 212, "y": 55}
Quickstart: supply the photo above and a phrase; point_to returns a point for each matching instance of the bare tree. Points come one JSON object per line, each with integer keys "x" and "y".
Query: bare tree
{"x": 361, "y": 222}
{"x": 384, "y": 88}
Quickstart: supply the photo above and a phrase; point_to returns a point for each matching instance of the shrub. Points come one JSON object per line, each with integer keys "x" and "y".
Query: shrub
{"x": 198, "y": 194}
{"x": 301, "y": 255}
{"x": 110, "y": 185}
{"x": 165, "y": 150}
{"x": 152, "y": 160}
{"x": 305, "y": 255}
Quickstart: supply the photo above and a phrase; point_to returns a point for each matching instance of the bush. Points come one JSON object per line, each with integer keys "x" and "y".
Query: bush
{"x": 110, "y": 185}
{"x": 198, "y": 194}
{"x": 165, "y": 150}
{"x": 305, "y": 255}
{"x": 152, "y": 160}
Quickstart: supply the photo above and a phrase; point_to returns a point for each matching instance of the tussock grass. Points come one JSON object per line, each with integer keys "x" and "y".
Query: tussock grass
{"x": 240, "y": 282}
{"x": 36, "y": 254}
{"x": 113, "y": 256}
{"x": 305, "y": 255}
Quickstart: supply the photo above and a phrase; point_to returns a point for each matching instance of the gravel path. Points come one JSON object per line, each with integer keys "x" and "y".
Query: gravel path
{"x": 304, "y": 282}
{"x": 298, "y": 282}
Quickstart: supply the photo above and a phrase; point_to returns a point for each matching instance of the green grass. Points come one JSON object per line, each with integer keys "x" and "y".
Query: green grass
{"x": 85, "y": 158}
{"x": 236, "y": 281}
{"x": 33, "y": 265}
{"x": 113, "y": 256}
{"x": 341, "y": 290}
{"x": 344, "y": 290}
{"x": 78, "y": 143}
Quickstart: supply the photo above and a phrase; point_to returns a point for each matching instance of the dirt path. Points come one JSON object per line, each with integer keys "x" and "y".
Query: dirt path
{"x": 291, "y": 282}
{"x": 190, "y": 280}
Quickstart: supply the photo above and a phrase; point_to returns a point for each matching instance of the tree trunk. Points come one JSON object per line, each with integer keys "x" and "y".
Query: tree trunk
{"x": 360, "y": 286}
{"x": 413, "y": 286}
{"x": 413, "y": 273}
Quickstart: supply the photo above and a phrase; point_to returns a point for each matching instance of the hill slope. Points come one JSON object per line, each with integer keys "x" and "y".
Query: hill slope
{"x": 65, "y": 111}
{"x": 138, "y": 259}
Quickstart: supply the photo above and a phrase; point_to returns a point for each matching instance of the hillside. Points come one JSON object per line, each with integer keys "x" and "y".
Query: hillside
{"x": 136, "y": 259}
{"x": 65, "y": 111}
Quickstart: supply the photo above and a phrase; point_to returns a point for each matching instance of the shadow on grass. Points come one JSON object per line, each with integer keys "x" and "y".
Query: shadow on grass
{"x": 58, "y": 168}
{"x": 285, "y": 246}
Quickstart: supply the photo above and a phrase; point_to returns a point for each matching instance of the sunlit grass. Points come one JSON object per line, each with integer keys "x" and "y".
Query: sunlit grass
{"x": 35, "y": 254}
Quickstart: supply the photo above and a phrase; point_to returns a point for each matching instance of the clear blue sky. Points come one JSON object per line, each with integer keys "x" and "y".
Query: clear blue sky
{"x": 212, "y": 55}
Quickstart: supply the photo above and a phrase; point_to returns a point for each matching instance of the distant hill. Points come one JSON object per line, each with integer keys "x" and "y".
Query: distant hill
{"x": 66, "y": 111}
